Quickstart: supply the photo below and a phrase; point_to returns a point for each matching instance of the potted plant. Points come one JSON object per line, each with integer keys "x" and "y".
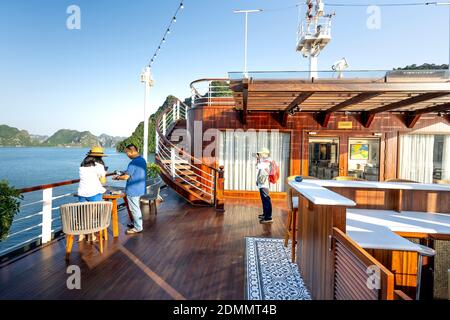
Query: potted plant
{"x": 9, "y": 207}
{"x": 153, "y": 179}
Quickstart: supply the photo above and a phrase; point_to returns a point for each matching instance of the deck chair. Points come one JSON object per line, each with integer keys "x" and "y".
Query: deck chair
{"x": 152, "y": 195}
{"x": 291, "y": 224}
{"x": 85, "y": 218}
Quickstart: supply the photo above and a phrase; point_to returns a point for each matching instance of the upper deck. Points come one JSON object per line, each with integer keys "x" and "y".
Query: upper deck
{"x": 185, "y": 253}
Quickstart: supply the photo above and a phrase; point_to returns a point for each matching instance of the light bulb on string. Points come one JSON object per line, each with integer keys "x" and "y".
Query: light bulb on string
{"x": 174, "y": 19}
{"x": 181, "y": 6}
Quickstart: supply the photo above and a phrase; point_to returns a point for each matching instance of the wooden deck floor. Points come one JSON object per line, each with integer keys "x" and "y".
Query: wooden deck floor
{"x": 185, "y": 252}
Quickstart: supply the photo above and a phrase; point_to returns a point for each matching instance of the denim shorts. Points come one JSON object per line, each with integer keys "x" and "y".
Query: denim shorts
{"x": 97, "y": 197}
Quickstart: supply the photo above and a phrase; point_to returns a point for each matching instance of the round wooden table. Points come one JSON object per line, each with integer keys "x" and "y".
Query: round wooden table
{"x": 114, "y": 215}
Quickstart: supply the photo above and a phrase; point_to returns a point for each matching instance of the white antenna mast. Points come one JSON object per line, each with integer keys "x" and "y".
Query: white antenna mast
{"x": 314, "y": 34}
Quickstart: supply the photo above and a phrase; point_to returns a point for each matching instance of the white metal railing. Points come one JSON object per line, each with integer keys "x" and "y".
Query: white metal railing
{"x": 317, "y": 28}
{"x": 198, "y": 177}
{"x": 41, "y": 222}
{"x": 208, "y": 92}
{"x": 37, "y": 221}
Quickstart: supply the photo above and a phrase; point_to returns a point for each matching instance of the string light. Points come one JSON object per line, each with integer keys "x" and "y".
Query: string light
{"x": 167, "y": 32}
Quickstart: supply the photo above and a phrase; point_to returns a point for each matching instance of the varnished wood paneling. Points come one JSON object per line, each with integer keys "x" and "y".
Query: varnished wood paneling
{"x": 315, "y": 225}
{"x": 403, "y": 265}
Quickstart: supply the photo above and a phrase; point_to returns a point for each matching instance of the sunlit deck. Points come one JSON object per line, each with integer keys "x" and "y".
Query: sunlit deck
{"x": 185, "y": 252}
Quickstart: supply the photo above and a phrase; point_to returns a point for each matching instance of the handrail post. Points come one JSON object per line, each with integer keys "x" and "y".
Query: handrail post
{"x": 164, "y": 124}
{"x": 156, "y": 142}
{"x": 174, "y": 112}
{"x": 172, "y": 162}
{"x": 219, "y": 190}
{"x": 178, "y": 110}
{"x": 47, "y": 195}
{"x": 192, "y": 100}
{"x": 209, "y": 93}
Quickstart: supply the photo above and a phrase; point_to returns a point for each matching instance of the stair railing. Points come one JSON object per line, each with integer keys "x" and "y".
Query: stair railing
{"x": 197, "y": 176}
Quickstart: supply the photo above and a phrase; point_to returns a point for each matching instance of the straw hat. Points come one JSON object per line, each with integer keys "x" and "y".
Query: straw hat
{"x": 264, "y": 151}
{"x": 96, "y": 152}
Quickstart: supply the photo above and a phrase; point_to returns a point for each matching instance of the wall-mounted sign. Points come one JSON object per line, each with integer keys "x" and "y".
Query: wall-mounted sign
{"x": 345, "y": 125}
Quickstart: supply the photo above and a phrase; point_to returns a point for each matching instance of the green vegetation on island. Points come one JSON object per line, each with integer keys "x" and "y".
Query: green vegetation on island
{"x": 13, "y": 137}
{"x": 137, "y": 138}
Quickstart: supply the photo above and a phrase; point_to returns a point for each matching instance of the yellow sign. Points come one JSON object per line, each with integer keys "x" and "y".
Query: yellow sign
{"x": 345, "y": 125}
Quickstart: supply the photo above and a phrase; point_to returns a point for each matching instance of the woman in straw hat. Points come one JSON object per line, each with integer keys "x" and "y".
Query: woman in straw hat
{"x": 92, "y": 178}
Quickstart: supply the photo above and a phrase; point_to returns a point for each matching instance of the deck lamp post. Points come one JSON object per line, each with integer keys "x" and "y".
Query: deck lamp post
{"x": 245, "y": 36}
{"x": 146, "y": 78}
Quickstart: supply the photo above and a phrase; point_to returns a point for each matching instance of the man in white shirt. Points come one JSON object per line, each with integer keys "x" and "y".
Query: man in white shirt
{"x": 263, "y": 164}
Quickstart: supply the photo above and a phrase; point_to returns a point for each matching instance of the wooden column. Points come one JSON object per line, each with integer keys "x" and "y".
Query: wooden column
{"x": 315, "y": 252}
{"x": 220, "y": 187}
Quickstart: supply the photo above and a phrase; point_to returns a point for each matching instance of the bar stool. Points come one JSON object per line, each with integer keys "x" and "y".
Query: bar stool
{"x": 291, "y": 224}
{"x": 423, "y": 252}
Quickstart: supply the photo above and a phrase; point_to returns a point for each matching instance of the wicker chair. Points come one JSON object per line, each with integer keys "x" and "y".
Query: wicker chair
{"x": 401, "y": 180}
{"x": 291, "y": 224}
{"x": 85, "y": 218}
{"x": 348, "y": 178}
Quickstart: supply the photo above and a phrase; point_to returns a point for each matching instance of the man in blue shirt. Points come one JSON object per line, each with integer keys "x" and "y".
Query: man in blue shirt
{"x": 135, "y": 176}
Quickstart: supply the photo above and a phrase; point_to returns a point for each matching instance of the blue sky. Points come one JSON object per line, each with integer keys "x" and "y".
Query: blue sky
{"x": 88, "y": 79}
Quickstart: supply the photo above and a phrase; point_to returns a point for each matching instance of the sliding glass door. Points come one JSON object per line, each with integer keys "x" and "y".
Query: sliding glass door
{"x": 364, "y": 158}
{"x": 323, "y": 160}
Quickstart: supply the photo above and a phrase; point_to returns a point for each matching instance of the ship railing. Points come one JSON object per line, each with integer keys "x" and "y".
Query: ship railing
{"x": 38, "y": 228}
{"x": 196, "y": 175}
{"x": 210, "y": 92}
{"x": 320, "y": 27}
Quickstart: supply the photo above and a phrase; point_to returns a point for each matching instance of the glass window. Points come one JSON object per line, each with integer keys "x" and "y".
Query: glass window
{"x": 364, "y": 158}
{"x": 323, "y": 158}
{"x": 237, "y": 148}
{"x": 424, "y": 157}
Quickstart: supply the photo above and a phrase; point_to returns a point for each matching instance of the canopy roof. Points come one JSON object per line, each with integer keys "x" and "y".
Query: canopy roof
{"x": 412, "y": 93}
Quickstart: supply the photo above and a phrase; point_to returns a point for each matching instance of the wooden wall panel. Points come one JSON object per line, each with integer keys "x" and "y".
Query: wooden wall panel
{"x": 390, "y": 125}
{"x": 403, "y": 265}
{"x": 315, "y": 226}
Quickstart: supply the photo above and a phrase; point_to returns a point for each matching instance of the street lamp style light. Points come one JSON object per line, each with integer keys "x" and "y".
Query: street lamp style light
{"x": 146, "y": 78}
{"x": 245, "y": 37}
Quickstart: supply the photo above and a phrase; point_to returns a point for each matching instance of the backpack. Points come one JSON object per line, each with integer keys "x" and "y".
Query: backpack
{"x": 274, "y": 173}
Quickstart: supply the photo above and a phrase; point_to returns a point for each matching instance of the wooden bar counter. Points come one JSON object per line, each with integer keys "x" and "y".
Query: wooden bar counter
{"x": 320, "y": 210}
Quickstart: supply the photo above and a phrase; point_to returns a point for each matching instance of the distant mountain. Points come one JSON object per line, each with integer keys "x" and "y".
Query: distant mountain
{"x": 38, "y": 138}
{"x": 13, "y": 137}
{"x": 107, "y": 141}
{"x": 72, "y": 138}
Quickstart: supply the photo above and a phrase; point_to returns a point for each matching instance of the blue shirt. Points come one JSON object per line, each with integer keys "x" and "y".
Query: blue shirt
{"x": 137, "y": 170}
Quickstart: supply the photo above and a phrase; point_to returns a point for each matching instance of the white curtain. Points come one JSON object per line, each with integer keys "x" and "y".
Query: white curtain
{"x": 446, "y": 158}
{"x": 416, "y": 157}
{"x": 236, "y": 149}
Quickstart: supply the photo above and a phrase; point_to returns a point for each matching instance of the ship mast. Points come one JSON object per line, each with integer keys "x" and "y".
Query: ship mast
{"x": 314, "y": 34}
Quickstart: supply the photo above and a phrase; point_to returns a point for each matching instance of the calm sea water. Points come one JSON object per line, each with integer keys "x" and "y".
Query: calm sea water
{"x": 27, "y": 167}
